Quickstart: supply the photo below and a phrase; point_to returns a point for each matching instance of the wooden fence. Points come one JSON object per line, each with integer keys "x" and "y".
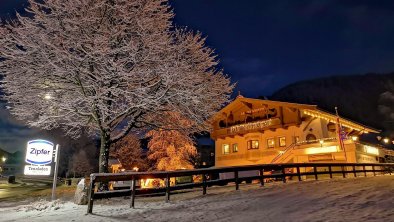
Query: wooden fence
{"x": 299, "y": 171}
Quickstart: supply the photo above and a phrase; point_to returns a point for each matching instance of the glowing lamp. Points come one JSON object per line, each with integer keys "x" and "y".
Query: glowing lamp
{"x": 354, "y": 138}
{"x": 47, "y": 96}
{"x": 386, "y": 140}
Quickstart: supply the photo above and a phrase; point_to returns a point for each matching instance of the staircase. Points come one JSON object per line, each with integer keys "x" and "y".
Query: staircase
{"x": 284, "y": 154}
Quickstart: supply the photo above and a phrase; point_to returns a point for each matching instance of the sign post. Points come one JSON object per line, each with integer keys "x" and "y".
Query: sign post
{"x": 39, "y": 155}
{"x": 57, "y": 153}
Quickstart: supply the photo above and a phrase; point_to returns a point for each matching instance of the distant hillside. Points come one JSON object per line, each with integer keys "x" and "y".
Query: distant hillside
{"x": 368, "y": 99}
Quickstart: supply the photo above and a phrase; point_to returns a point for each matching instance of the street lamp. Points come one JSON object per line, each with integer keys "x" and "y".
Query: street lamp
{"x": 386, "y": 140}
{"x": 47, "y": 96}
{"x": 4, "y": 159}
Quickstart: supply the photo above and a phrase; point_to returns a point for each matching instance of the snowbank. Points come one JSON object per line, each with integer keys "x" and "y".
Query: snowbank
{"x": 353, "y": 199}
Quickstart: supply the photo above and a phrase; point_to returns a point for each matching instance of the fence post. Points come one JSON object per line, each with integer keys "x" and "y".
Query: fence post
{"x": 283, "y": 174}
{"x": 299, "y": 173}
{"x": 343, "y": 171}
{"x": 132, "y": 192}
{"x": 167, "y": 188}
{"x": 315, "y": 171}
{"x": 354, "y": 171}
{"x": 330, "y": 171}
{"x": 91, "y": 194}
{"x": 236, "y": 180}
{"x": 373, "y": 169}
{"x": 262, "y": 177}
{"x": 365, "y": 172}
{"x": 204, "y": 184}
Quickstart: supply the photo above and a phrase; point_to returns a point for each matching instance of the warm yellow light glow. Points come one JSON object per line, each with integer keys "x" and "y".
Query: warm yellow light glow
{"x": 135, "y": 168}
{"x": 330, "y": 118}
{"x": 145, "y": 183}
{"x": 321, "y": 142}
{"x": 371, "y": 150}
{"x": 47, "y": 96}
{"x": 4, "y": 159}
{"x": 325, "y": 149}
{"x": 354, "y": 138}
{"x": 386, "y": 140}
{"x": 281, "y": 152}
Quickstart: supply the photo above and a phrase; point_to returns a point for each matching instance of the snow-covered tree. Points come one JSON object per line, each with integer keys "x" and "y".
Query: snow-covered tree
{"x": 171, "y": 150}
{"x": 111, "y": 66}
{"x": 129, "y": 153}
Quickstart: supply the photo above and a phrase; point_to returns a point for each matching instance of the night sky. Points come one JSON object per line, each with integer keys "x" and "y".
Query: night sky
{"x": 266, "y": 45}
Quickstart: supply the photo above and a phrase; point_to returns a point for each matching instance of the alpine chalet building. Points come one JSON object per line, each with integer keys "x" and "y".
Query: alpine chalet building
{"x": 253, "y": 131}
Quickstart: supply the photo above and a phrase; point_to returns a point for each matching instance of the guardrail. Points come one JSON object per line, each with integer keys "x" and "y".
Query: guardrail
{"x": 265, "y": 171}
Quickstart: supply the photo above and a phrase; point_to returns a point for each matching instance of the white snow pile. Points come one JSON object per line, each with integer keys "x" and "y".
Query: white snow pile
{"x": 350, "y": 199}
{"x": 41, "y": 205}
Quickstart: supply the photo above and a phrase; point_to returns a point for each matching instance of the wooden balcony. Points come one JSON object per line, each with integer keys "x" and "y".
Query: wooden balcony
{"x": 241, "y": 129}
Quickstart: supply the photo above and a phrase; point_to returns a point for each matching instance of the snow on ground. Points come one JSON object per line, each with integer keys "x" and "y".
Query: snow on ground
{"x": 352, "y": 199}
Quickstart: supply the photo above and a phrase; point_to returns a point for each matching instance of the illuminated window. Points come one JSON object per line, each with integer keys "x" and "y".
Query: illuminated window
{"x": 235, "y": 147}
{"x": 282, "y": 141}
{"x": 226, "y": 149}
{"x": 271, "y": 142}
{"x": 253, "y": 144}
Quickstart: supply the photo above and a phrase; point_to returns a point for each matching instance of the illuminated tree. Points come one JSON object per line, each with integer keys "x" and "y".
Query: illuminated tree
{"x": 110, "y": 66}
{"x": 129, "y": 153}
{"x": 171, "y": 150}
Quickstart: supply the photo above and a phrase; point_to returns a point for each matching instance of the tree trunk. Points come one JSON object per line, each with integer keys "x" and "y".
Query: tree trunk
{"x": 104, "y": 154}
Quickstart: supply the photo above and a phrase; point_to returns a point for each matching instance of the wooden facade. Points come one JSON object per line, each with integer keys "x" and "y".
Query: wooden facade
{"x": 252, "y": 131}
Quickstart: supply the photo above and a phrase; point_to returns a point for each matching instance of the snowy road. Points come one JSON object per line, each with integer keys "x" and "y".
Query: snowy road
{"x": 353, "y": 199}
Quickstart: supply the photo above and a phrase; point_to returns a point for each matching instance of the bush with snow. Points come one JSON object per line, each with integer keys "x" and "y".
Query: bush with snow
{"x": 42, "y": 205}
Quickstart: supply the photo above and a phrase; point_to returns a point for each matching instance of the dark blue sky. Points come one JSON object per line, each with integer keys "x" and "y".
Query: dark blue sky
{"x": 265, "y": 45}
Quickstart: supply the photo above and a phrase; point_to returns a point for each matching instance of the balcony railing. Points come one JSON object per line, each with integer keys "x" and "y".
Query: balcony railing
{"x": 247, "y": 127}
{"x": 322, "y": 140}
